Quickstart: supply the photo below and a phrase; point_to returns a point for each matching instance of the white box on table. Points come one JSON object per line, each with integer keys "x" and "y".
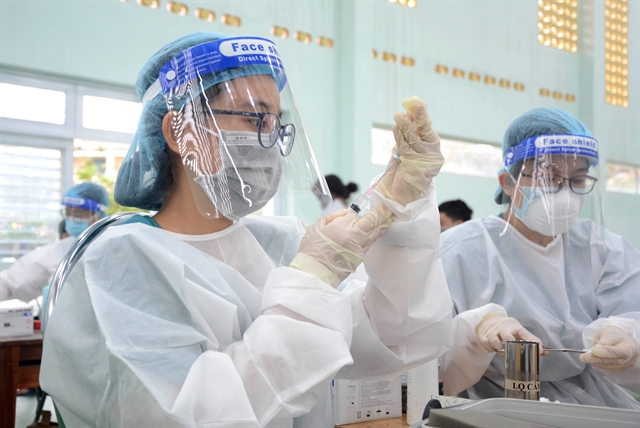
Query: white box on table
{"x": 16, "y": 318}
{"x": 365, "y": 400}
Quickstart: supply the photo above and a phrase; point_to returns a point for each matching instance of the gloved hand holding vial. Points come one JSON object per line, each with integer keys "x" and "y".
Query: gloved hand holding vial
{"x": 419, "y": 147}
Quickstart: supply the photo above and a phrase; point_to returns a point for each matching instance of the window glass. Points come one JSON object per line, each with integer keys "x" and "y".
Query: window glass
{"x": 99, "y": 162}
{"x": 33, "y": 104}
{"x": 30, "y": 181}
{"x": 382, "y": 143}
{"x": 482, "y": 160}
{"x": 110, "y": 114}
{"x": 622, "y": 178}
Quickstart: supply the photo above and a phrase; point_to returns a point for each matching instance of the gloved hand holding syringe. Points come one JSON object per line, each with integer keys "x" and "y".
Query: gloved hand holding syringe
{"x": 362, "y": 201}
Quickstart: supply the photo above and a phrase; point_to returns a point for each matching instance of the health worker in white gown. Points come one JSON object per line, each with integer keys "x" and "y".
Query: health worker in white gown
{"x": 82, "y": 205}
{"x": 202, "y": 316}
{"x": 539, "y": 272}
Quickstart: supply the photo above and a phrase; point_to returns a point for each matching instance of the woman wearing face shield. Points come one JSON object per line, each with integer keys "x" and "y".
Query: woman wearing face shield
{"x": 82, "y": 205}
{"x": 539, "y": 272}
{"x": 203, "y": 316}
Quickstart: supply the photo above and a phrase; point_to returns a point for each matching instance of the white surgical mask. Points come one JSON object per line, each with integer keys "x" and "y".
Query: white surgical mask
{"x": 249, "y": 177}
{"x": 550, "y": 214}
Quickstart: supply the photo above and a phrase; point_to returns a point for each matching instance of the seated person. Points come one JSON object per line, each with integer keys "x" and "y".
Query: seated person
{"x": 82, "y": 205}
{"x": 205, "y": 316}
{"x": 453, "y": 213}
{"x": 538, "y": 272}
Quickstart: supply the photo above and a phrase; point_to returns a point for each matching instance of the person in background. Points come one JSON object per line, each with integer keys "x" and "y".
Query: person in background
{"x": 203, "y": 315}
{"x": 539, "y": 272}
{"x": 453, "y": 213}
{"x": 82, "y": 205}
{"x": 339, "y": 192}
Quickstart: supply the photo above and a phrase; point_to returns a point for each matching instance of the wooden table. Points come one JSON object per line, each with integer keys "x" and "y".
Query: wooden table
{"x": 381, "y": 423}
{"x": 20, "y": 365}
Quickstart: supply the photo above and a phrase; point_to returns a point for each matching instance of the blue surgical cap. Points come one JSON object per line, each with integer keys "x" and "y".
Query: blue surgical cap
{"x": 145, "y": 175}
{"x": 93, "y": 192}
{"x": 539, "y": 121}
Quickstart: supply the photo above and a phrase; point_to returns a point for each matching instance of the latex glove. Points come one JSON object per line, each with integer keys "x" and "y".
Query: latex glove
{"x": 612, "y": 349}
{"x": 336, "y": 244}
{"x": 421, "y": 159}
{"x": 493, "y": 330}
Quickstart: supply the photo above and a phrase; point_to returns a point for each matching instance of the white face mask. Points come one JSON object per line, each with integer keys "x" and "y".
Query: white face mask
{"x": 550, "y": 214}
{"x": 249, "y": 177}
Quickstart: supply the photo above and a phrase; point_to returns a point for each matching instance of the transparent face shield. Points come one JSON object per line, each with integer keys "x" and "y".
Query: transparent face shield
{"x": 77, "y": 213}
{"x": 554, "y": 181}
{"x": 238, "y": 130}
{"x": 80, "y": 208}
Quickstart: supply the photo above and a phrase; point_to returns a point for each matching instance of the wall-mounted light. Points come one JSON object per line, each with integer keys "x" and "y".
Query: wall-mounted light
{"x": 231, "y": 20}
{"x": 374, "y": 54}
{"x": 408, "y": 3}
{"x": 458, "y": 73}
{"x": 442, "y": 69}
{"x": 489, "y": 80}
{"x": 616, "y": 52}
{"x": 558, "y": 24}
{"x": 153, "y": 4}
{"x": 570, "y": 98}
{"x": 389, "y": 57}
{"x": 544, "y": 93}
{"x": 557, "y": 95}
{"x": 504, "y": 83}
{"x": 302, "y": 37}
{"x": 518, "y": 86}
{"x": 474, "y": 77}
{"x": 409, "y": 62}
{"x": 205, "y": 14}
{"x": 177, "y": 8}
{"x": 325, "y": 42}
{"x": 280, "y": 32}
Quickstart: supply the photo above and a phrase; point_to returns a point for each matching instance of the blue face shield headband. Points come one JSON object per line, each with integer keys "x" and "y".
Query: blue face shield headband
{"x": 85, "y": 204}
{"x": 213, "y": 57}
{"x": 577, "y": 145}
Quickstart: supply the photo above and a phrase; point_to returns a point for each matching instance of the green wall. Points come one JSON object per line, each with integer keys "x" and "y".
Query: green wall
{"x": 342, "y": 91}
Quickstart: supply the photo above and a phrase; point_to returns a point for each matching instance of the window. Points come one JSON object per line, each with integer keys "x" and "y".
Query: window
{"x": 109, "y": 114}
{"x": 53, "y": 134}
{"x": 481, "y": 160}
{"x": 33, "y": 104}
{"x": 623, "y": 178}
{"x": 30, "y": 193}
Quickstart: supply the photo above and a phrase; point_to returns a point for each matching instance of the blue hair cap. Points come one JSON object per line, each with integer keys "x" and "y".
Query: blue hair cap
{"x": 89, "y": 191}
{"x": 539, "y": 121}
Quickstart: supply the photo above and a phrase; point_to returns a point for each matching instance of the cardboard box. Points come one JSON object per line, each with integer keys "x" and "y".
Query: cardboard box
{"x": 16, "y": 318}
{"x": 366, "y": 400}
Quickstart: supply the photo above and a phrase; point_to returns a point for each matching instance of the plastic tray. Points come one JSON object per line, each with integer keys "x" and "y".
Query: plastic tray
{"x": 555, "y": 414}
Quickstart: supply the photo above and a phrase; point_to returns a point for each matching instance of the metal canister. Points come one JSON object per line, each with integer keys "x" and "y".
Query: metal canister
{"x": 522, "y": 370}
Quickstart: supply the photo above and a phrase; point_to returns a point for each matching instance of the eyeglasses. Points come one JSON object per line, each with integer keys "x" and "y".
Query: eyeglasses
{"x": 268, "y": 123}
{"x": 76, "y": 213}
{"x": 580, "y": 185}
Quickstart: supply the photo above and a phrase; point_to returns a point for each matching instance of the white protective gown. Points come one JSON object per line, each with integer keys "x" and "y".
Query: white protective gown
{"x": 562, "y": 293}
{"x": 26, "y": 278}
{"x": 158, "y": 329}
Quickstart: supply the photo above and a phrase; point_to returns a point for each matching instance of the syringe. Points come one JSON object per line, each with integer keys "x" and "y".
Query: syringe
{"x": 362, "y": 201}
